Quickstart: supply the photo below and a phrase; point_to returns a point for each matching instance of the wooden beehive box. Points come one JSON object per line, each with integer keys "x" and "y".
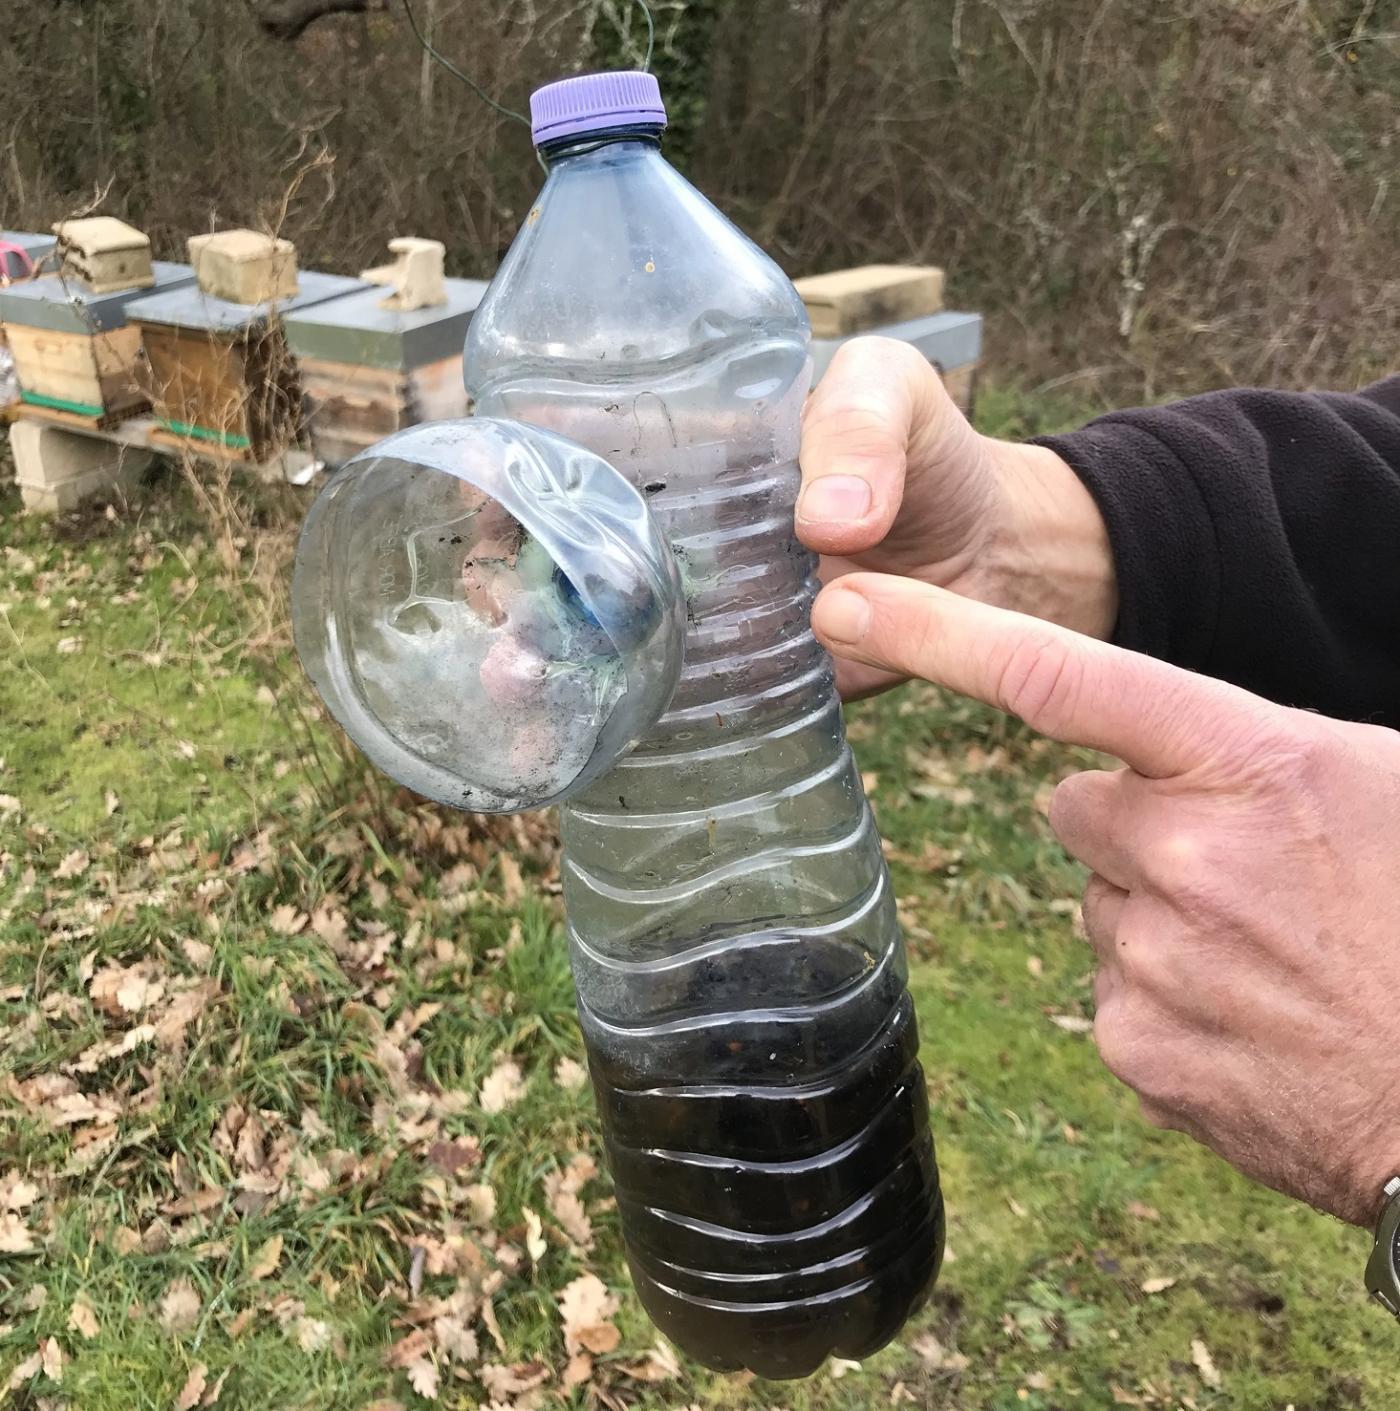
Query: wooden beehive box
{"x": 372, "y": 363}
{"x": 219, "y": 370}
{"x": 75, "y": 350}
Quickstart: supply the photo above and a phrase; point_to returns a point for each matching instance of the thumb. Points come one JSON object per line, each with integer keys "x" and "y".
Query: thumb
{"x": 1158, "y": 719}
{"x": 879, "y": 409}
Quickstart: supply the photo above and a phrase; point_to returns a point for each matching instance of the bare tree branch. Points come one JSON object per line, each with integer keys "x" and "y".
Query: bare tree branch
{"x": 289, "y": 19}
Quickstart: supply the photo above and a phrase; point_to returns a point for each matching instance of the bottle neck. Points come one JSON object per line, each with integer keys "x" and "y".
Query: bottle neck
{"x": 582, "y": 144}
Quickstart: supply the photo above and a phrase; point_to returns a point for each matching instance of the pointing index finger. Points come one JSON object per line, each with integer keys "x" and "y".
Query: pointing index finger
{"x": 1160, "y": 720}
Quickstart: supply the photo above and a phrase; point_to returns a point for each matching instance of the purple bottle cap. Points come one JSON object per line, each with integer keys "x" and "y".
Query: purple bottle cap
{"x": 596, "y": 102}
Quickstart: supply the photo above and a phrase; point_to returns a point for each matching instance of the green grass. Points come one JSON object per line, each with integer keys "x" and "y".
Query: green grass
{"x": 332, "y": 971}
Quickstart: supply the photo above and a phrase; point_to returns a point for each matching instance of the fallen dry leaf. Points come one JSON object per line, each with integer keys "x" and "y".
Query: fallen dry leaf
{"x": 514, "y": 1380}
{"x": 579, "y": 1370}
{"x": 503, "y": 1087}
{"x": 661, "y": 1365}
{"x": 455, "y": 1340}
{"x": 488, "y": 1318}
{"x": 1157, "y": 1285}
{"x": 1072, "y": 1023}
{"x": 423, "y": 1378}
{"x": 16, "y": 1193}
{"x": 407, "y": 1349}
{"x": 570, "y": 1074}
{"x": 179, "y": 1308}
{"x": 25, "y": 1371}
{"x": 197, "y": 952}
{"x": 312, "y": 1334}
{"x": 481, "y": 1204}
{"x": 929, "y": 1351}
{"x": 81, "y": 1318}
{"x": 568, "y": 1211}
{"x": 1204, "y": 1363}
{"x": 287, "y": 920}
{"x": 15, "y": 1236}
{"x": 74, "y": 864}
{"x": 456, "y": 1156}
{"x": 52, "y": 1359}
{"x": 211, "y": 1397}
{"x": 512, "y": 884}
{"x": 839, "y": 1366}
{"x": 266, "y": 1260}
{"x": 193, "y": 1389}
{"x": 331, "y": 925}
{"x": 535, "y": 1243}
{"x": 586, "y": 1308}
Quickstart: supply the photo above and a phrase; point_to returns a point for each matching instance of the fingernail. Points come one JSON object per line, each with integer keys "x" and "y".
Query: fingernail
{"x": 835, "y": 498}
{"x": 845, "y": 616}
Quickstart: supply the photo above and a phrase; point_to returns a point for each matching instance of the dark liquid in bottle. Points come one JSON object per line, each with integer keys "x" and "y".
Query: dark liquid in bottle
{"x": 773, "y": 1227}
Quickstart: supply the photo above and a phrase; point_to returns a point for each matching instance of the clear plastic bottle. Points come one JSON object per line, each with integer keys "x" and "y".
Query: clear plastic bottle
{"x": 740, "y": 972}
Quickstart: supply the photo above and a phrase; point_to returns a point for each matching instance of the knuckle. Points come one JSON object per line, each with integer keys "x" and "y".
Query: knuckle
{"x": 1114, "y": 1039}
{"x": 1131, "y": 1049}
{"x": 857, "y": 425}
{"x": 1041, "y": 680}
{"x": 1183, "y": 866}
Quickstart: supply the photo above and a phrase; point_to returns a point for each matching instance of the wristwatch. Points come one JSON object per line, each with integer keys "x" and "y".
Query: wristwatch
{"x": 1383, "y": 1268}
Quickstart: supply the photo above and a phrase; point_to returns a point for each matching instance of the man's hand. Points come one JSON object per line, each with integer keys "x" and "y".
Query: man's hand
{"x": 895, "y": 479}
{"x": 1245, "y": 903}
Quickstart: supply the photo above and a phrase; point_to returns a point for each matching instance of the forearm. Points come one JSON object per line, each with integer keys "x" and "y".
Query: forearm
{"x": 1254, "y": 537}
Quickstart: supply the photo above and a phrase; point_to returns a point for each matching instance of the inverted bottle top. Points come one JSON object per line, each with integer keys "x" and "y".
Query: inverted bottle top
{"x": 489, "y": 610}
{"x": 596, "y": 102}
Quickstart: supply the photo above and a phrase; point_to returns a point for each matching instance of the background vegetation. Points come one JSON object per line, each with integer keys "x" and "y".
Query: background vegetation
{"x": 1145, "y": 198}
{"x": 291, "y": 1111}
{"x": 291, "y": 1107}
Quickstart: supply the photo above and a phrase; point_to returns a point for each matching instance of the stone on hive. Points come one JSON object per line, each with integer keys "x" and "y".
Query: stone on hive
{"x": 415, "y": 278}
{"x": 858, "y": 300}
{"x": 244, "y": 266}
{"x": 105, "y": 253}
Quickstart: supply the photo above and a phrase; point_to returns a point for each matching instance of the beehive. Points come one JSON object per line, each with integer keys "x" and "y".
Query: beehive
{"x": 74, "y": 348}
{"x": 373, "y": 362}
{"x": 218, "y": 369}
{"x": 951, "y": 341}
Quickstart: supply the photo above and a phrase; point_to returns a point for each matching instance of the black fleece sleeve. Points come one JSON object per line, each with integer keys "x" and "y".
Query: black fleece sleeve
{"x": 1256, "y": 537}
